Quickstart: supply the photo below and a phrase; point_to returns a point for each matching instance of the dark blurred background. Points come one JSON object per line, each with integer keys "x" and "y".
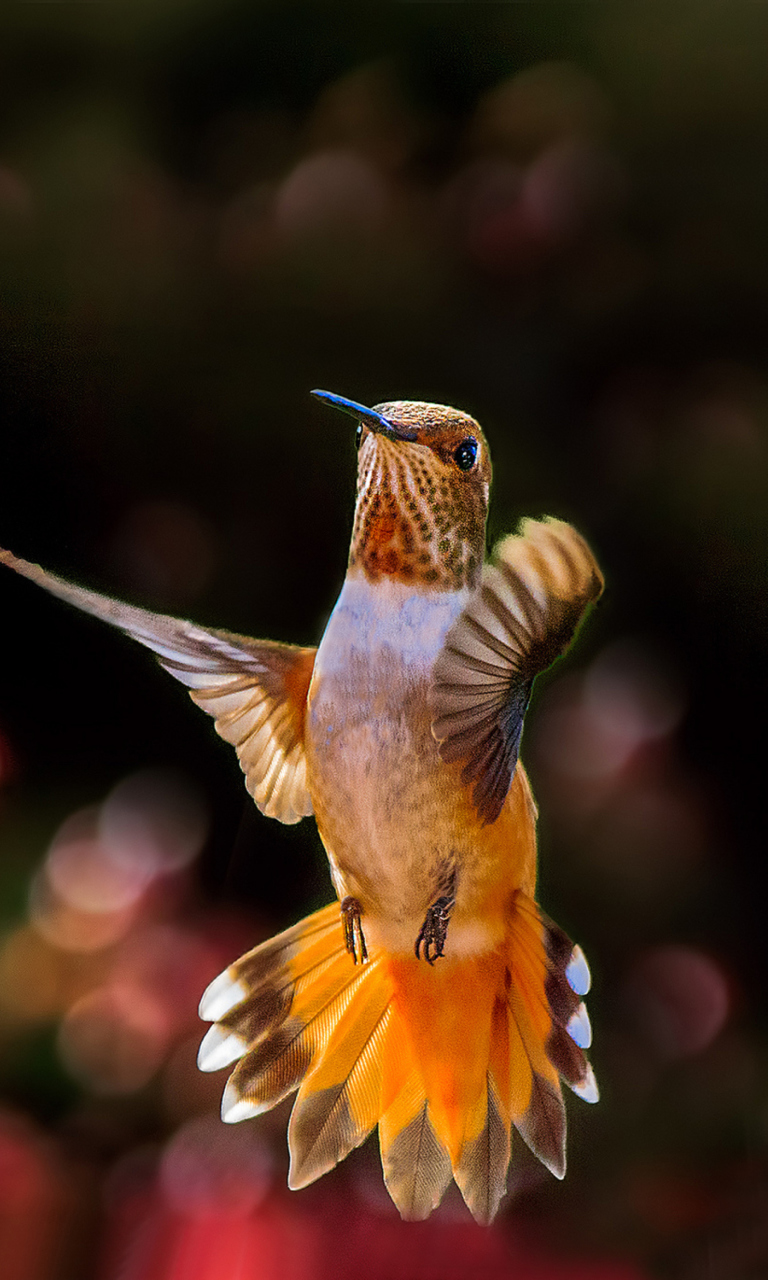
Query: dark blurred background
{"x": 554, "y": 216}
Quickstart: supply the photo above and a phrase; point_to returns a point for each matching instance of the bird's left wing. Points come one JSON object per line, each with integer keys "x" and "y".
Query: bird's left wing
{"x": 255, "y": 689}
{"x": 522, "y": 617}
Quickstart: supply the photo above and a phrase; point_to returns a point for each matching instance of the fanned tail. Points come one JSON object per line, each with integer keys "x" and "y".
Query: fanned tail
{"x": 445, "y": 1059}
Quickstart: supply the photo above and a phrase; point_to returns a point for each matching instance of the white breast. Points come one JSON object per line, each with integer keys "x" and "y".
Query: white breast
{"x": 386, "y": 619}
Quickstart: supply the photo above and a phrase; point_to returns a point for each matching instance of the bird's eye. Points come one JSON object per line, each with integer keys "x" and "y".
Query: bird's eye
{"x": 466, "y": 454}
{"x": 359, "y": 435}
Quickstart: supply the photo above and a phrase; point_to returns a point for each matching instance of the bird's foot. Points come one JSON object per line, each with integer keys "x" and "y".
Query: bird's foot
{"x": 433, "y": 932}
{"x": 354, "y": 938}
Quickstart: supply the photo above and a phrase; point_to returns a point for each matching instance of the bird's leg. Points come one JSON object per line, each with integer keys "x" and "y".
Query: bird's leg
{"x": 433, "y": 932}
{"x": 354, "y": 938}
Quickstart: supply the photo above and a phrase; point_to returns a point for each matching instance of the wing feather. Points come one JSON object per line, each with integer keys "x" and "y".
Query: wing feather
{"x": 522, "y": 617}
{"x": 256, "y": 690}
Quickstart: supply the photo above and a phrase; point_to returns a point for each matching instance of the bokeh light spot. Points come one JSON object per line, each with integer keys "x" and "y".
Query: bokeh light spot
{"x": 209, "y": 1166}
{"x": 114, "y": 1039}
{"x": 85, "y": 879}
{"x": 679, "y": 998}
{"x": 30, "y": 979}
{"x": 332, "y": 189}
{"x": 153, "y": 822}
{"x": 538, "y": 106}
{"x": 71, "y": 928}
{"x": 594, "y": 725}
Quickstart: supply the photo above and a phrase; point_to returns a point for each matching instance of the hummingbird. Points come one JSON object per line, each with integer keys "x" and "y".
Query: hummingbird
{"x": 433, "y": 999}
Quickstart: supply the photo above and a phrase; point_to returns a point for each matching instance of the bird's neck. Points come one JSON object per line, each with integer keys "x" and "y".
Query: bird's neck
{"x": 432, "y": 541}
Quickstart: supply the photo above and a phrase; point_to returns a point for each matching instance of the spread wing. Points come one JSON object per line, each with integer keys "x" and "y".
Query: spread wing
{"x": 524, "y": 614}
{"x": 256, "y": 690}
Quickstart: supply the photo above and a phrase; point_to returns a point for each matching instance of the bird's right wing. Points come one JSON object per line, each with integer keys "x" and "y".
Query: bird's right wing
{"x": 256, "y": 690}
{"x": 522, "y": 617}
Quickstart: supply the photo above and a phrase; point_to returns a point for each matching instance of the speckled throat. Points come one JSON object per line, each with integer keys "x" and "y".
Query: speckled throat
{"x": 414, "y": 521}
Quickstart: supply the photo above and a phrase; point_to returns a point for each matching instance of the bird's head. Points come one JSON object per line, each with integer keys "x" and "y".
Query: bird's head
{"x": 423, "y": 479}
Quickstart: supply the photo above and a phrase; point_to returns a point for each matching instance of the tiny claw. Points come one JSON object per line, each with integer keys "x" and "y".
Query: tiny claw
{"x": 433, "y": 932}
{"x": 354, "y": 938}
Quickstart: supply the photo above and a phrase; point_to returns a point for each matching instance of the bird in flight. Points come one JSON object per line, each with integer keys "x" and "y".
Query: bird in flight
{"x": 434, "y": 999}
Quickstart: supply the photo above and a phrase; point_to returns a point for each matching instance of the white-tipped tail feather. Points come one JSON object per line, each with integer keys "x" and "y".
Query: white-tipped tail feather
{"x": 387, "y": 1044}
{"x": 579, "y": 1027}
{"x": 577, "y": 973}
{"x": 220, "y": 996}
{"x": 587, "y": 1090}
{"x": 219, "y": 1049}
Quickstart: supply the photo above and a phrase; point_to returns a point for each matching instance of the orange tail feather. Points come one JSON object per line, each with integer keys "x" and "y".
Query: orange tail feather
{"x": 446, "y": 1059}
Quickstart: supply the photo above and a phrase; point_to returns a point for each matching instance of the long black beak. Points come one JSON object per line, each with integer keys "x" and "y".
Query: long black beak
{"x": 375, "y": 421}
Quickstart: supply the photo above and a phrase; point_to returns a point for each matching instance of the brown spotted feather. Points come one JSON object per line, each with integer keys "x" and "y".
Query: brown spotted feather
{"x": 419, "y": 520}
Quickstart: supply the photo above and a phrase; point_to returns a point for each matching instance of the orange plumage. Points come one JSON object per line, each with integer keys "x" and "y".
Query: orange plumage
{"x": 446, "y": 1010}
